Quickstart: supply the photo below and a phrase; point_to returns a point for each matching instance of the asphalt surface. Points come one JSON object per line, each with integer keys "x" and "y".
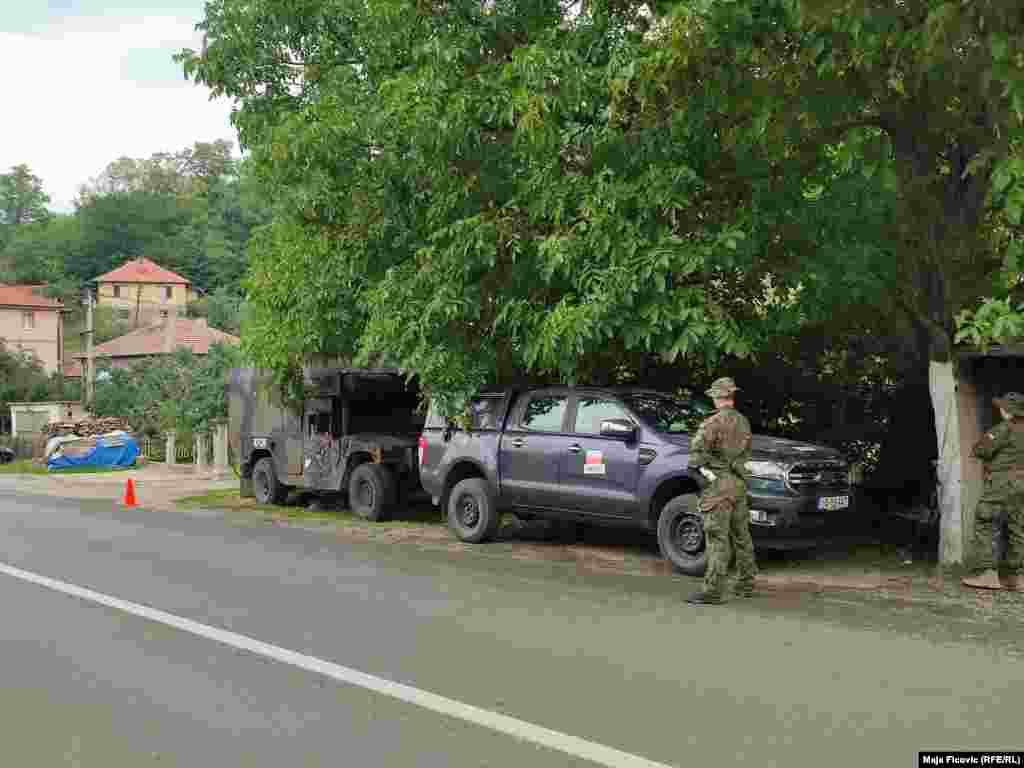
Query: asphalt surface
{"x": 619, "y": 661}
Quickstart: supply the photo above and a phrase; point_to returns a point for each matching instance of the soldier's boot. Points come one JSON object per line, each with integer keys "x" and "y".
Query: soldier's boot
{"x": 704, "y": 598}
{"x": 987, "y": 580}
{"x": 744, "y": 589}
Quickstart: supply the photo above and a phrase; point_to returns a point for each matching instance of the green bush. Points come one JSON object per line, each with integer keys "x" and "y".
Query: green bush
{"x": 183, "y": 391}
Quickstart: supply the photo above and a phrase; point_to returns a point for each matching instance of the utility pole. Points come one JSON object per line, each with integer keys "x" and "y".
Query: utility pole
{"x": 89, "y": 371}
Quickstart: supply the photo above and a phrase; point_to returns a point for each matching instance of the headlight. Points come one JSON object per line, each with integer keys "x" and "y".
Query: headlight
{"x": 768, "y": 470}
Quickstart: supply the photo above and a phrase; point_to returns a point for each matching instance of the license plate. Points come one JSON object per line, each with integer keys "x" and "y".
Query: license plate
{"x": 831, "y": 503}
{"x": 259, "y": 442}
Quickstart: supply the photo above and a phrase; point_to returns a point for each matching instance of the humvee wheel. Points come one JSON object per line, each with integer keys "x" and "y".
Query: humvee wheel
{"x": 372, "y": 492}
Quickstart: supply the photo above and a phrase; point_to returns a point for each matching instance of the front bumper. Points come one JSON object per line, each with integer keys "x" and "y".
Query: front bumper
{"x": 787, "y": 515}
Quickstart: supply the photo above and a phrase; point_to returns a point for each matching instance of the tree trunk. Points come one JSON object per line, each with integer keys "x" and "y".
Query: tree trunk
{"x": 942, "y": 385}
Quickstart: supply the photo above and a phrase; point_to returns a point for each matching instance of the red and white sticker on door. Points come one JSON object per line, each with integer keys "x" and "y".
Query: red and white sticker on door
{"x": 593, "y": 464}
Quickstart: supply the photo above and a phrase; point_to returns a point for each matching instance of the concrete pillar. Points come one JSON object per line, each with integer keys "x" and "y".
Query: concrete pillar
{"x": 971, "y": 425}
{"x": 171, "y": 445}
{"x": 170, "y": 325}
{"x": 202, "y": 461}
{"x": 943, "y": 386}
{"x": 220, "y": 451}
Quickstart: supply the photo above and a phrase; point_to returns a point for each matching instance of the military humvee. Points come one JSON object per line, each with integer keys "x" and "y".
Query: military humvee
{"x": 356, "y": 433}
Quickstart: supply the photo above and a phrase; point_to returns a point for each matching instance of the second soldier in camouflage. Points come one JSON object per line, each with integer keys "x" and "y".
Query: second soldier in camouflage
{"x": 1000, "y": 511}
{"x": 720, "y": 449}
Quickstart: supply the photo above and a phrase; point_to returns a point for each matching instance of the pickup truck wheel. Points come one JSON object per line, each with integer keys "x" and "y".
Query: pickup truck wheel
{"x": 472, "y": 513}
{"x": 265, "y": 483}
{"x": 681, "y": 535}
{"x": 372, "y": 492}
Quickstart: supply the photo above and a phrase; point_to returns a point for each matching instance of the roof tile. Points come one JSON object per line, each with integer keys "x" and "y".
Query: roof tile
{"x": 149, "y": 340}
{"x": 28, "y": 296}
{"x": 142, "y": 270}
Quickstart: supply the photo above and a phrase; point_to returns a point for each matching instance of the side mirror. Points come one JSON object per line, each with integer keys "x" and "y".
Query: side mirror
{"x": 620, "y": 428}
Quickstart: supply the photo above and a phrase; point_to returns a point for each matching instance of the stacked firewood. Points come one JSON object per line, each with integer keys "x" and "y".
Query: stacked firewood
{"x": 87, "y": 427}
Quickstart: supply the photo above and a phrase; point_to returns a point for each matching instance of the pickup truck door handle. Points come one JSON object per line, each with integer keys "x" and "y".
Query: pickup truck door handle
{"x": 574, "y": 448}
{"x": 518, "y": 443}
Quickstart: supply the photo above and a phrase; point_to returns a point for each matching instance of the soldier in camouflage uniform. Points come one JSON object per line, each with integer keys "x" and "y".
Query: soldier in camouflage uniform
{"x": 999, "y": 518}
{"x": 720, "y": 449}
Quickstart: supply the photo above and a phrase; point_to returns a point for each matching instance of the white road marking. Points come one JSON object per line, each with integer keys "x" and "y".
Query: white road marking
{"x": 520, "y": 729}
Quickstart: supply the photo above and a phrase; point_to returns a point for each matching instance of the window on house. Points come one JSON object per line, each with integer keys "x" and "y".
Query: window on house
{"x": 163, "y": 314}
{"x": 117, "y": 291}
{"x": 168, "y": 292}
{"x": 28, "y": 321}
{"x": 124, "y": 314}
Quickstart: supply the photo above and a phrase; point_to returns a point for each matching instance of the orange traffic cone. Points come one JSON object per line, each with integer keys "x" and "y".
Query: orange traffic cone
{"x": 129, "y": 494}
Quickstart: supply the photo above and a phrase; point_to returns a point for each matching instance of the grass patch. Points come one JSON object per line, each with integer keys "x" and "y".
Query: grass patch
{"x": 225, "y": 499}
{"x": 26, "y": 467}
{"x": 231, "y": 500}
{"x": 22, "y": 467}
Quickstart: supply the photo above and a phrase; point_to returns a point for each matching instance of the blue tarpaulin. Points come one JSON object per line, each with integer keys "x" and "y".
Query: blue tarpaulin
{"x": 118, "y": 451}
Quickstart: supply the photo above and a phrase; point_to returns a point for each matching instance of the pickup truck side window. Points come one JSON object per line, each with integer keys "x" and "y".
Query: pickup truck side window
{"x": 591, "y": 411}
{"x": 544, "y": 414}
{"x": 485, "y": 413}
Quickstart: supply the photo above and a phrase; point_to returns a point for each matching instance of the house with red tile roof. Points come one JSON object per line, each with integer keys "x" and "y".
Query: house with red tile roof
{"x": 32, "y": 322}
{"x": 160, "y": 339}
{"x": 143, "y": 293}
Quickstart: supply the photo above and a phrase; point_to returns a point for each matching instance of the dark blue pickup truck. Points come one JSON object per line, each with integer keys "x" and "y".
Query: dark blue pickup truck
{"x": 613, "y": 456}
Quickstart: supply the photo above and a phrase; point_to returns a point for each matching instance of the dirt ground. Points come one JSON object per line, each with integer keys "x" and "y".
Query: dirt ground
{"x": 156, "y": 485}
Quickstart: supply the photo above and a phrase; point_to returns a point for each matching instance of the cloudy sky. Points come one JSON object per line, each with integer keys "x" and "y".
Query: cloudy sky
{"x": 88, "y": 81}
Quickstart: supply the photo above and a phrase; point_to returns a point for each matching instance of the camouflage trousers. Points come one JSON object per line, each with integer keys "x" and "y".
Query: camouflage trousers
{"x": 727, "y": 533}
{"x": 998, "y": 540}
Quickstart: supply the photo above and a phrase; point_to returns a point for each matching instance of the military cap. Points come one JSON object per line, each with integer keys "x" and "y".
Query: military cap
{"x": 722, "y": 388}
{"x": 1012, "y": 403}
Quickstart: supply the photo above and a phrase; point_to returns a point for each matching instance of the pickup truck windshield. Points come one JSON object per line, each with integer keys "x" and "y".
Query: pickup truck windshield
{"x": 668, "y": 414}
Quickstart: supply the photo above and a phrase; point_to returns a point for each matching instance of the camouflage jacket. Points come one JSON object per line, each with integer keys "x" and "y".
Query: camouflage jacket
{"x": 1002, "y": 449}
{"x": 722, "y": 443}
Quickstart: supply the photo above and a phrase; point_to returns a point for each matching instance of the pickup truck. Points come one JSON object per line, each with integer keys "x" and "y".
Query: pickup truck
{"x": 613, "y": 456}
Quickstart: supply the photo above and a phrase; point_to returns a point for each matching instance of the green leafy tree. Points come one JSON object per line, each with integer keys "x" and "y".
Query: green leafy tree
{"x": 454, "y": 192}
{"x": 904, "y": 113}
{"x": 125, "y": 225}
{"x": 22, "y": 379}
{"x": 182, "y": 391}
{"x": 107, "y": 324}
{"x": 222, "y": 309}
{"x": 165, "y": 173}
{"x": 39, "y": 252}
{"x": 186, "y": 210}
{"x": 22, "y": 201}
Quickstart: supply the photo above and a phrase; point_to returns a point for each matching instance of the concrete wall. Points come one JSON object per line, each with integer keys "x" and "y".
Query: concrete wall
{"x": 27, "y": 418}
{"x": 972, "y": 477}
{"x": 44, "y": 340}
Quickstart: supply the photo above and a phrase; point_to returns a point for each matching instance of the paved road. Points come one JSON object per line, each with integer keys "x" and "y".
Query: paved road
{"x": 615, "y": 661}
